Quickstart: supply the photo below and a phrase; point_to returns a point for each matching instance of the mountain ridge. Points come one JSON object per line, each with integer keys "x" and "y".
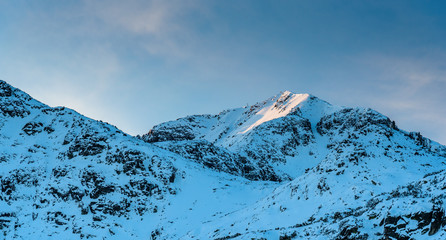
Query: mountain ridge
{"x": 290, "y": 167}
{"x": 302, "y": 116}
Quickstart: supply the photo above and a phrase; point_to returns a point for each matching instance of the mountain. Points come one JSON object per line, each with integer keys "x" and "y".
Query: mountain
{"x": 63, "y": 174}
{"x": 339, "y": 159}
{"x": 290, "y": 167}
{"x": 286, "y": 134}
{"x": 274, "y": 136}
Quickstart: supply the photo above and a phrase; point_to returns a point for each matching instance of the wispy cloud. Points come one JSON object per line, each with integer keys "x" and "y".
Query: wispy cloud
{"x": 409, "y": 75}
{"x": 410, "y": 89}
{"x": 160, "y": 27}
{"x": 140, "y": 17}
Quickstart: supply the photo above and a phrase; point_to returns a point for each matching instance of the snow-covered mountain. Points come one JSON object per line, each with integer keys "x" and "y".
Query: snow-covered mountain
{"x": 65, "y": 175}
{"x": 290, "y": 167}
{"x": 339, "y": 159}
{"x": 276, "y": 134}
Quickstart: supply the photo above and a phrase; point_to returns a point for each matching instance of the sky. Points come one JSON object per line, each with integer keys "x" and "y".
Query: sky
{"x": 138, "y": 63}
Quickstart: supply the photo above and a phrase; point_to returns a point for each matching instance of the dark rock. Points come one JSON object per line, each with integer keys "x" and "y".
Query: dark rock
{"x": 351, "y": 233}
{"x": 288, "y": 237}
{"x": 145, "y": 187}
{"x": 8, "y": 186}
{"x": 101, "y": 190}
{"x": 86, "y": 145}
{"x": 48, "y": 129}
{"x": 73, "y": 193}
{"x": 57, "y": 217}
{"x": 359, "y": 120}
{"x": 177, "y": 133}
{"x": 435, "y": 219}
{"x": 59, "y": 172}
{"x": 32, "y": 128}
{"x": 438, "y": 220}
{"x": 220, "y": 159}
{"x": 90, "y": 178}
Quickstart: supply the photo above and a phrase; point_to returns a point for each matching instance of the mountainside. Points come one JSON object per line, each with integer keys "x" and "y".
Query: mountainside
{"x": 290, "y": 167}
{"x": 340, "y": 160}
{"x": 275, "y": 134}
{"x": 367, "y": 177}
{"x": 288, "y": 134}
{"x": 63, "y": 174}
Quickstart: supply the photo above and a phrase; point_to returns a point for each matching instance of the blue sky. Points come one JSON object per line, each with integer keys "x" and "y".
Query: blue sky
{"x": 138, "y": 63}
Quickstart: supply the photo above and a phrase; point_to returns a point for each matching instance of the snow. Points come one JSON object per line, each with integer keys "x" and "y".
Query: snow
{"x": 288, "y": 101}
{"x": 344, "y": 172}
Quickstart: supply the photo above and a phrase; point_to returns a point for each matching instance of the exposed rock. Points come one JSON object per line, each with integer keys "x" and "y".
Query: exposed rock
{"x": 32, "y": 128}
{"x": 220, "y": 159}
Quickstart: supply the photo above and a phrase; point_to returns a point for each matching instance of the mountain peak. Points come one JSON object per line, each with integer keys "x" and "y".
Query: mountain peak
{"x": 289, "y": 93}
{"x": 286, "y": 92}
{"x": 276, "y": 107}
{"x": 6, "y": 90}
{"x": 14, "y": 102}
{"x": 288, "y": 98}
{"x": 64, "y": 175}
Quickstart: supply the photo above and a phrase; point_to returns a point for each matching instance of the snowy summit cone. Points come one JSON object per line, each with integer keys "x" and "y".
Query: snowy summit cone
{"x": 268, "y": 135}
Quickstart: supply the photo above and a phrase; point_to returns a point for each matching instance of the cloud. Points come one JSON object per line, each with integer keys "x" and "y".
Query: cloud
{"x": 411, "y": 90}
{"x": 409, "y": 75}
{"x": 160, "y": 27}
{"x": 140, "y": 17}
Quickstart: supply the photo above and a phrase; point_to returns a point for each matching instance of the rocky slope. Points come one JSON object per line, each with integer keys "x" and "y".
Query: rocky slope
{"x": 290, "y": 167}
{"x": 276, "y": 134}
{"x": 65, "y": 175}
{"x": 372, "y": 173}
{"x": 340, "y": 160}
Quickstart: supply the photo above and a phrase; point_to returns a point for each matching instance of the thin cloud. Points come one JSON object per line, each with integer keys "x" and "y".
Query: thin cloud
{"x": 409, "y": 75}
{"x": 409, "y": 88}
{"x": 158, "y": 24}
{"x": 140, "y": 17}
